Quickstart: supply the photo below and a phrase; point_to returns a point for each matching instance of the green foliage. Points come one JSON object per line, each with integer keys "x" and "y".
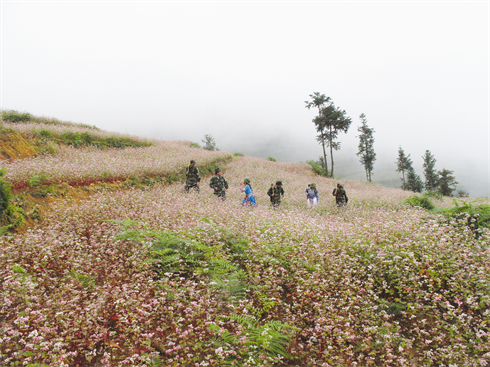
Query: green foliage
{"x": 391, "y": 307}
{"x": 478, "y": 215}
{"x": 209, "y": 143}
{"x": 446, "y": 182}
{"x": 195, "y": 145}
{"x": 146, "y": 181}
{"x": 272, "y": 159}
{"x": 366, "y": 153}
{"x": 414, "y": 182}
{"x": 77, "y": 140}
{"x": 38, "y": 180}
{"x": 18, "y": 117}
{"x": 462, "y": 194}
{"x": 14, "y": 116}
{"x": 403, "y": 164}
{"x": 433, "y": 194}
{"x": 420, "y": 201}
{"x": 254, "y": 339}
{"x": 216, "y": 163}
{"x": 431, "y": 179}
{"x": 319, "y": 101}
{"x": 317, "y": 168}
{"x": 237, "y": 154}
{"x": 170, "y": 254}
{"x": 330, "y": 122}
{"x": 5, "y": 193}
{"x": 86, "y": 281}
{"x": 81, "y": 139}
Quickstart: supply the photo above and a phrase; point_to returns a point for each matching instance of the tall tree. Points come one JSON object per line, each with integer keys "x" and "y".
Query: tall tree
{"x": 431, "y": 178}
{"x": 329, "y": 125}
{"x": 366, "y": 153}
{"x": 209, "y": 143}
{"x": 414, "y": 182}
{"x": 446, "y": 182}
{"x": 403, "y": 164}
{"x": 319, "y": 101}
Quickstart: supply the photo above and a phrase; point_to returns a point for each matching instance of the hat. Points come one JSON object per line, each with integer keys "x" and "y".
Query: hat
{"x": 217, "y": 170}
{"x": 279, "y": 182}
{"x": 313, "y": 184}
{"x": 193, "y": 161}
{"x": 247, "y": 180}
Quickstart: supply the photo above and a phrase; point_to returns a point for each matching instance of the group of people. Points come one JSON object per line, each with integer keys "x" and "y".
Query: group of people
{"x": 312, "y": 197}
{"x": 276, "y": 191}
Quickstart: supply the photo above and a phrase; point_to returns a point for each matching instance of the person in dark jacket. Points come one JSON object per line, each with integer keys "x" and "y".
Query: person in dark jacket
{"x": 276, "y": 193}
{"x": 219, "y": 184}
{"x": 341, "y": 198}
{"x": 193, "y": 177}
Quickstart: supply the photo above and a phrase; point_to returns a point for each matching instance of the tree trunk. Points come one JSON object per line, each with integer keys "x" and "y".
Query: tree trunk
{"x": 325, "y": 157}
{"x": 368, "y": 178}
{"x": 331, "y": 154}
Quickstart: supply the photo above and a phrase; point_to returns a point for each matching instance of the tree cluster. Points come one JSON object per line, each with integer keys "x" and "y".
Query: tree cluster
{"x": 331, "y": 121}
{"x": 442, "y": 181}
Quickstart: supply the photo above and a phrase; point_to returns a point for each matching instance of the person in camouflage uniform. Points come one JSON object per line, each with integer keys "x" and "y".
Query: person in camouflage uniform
{"x": 192, "y": 177}
{"x": 341, "y": 198}
{"x": 276, "y": 193}
{"x": 219, "y": 184}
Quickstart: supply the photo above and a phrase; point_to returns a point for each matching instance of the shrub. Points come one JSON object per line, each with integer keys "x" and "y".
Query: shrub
{"x": 272, "y": 159}
{"x": 14, "y": 116}
{"x": 317, "y": 168}
{"x": 5, "y": 193}
{"x": 433, "y": 194}
{"x": 420, "y": 201}
{"x": 478, "y": 215}
{"x": 237, "y": 154}
{"x": 195, "y": 145}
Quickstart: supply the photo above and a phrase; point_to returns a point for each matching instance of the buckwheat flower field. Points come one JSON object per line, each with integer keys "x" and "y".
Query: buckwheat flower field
{"x": 158, "y": 278}
{"x": 85, "y": 166}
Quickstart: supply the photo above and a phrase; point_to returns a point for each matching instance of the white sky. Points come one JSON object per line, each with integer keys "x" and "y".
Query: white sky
{"x": 241, "y": 72}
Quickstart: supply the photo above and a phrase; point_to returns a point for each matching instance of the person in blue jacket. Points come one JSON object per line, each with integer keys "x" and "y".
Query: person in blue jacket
{"x": 249, "y": 194}
{"x": 312, "y": 197}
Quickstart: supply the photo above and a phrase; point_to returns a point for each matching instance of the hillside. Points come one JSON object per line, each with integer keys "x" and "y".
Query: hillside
{"x": 122, "y": 268}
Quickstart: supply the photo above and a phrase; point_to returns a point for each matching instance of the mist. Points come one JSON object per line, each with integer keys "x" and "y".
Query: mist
{"x": 243, "y": 71}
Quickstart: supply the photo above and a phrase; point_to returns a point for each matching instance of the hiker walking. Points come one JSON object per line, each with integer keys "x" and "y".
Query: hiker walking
{"x": 341, "y": 198}
{"x": 192, "y": 177}
{"x": 219, "y": 184}
{"x": 249, "y": 195}
{"x": 276, "y": 193}
{"x": 312, "y": 197}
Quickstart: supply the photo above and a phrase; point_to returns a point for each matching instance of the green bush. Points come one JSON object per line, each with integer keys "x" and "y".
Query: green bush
{"x": 433, "y": 194}
{"x": 317, "y": 168}
{"x": 14, "y": 116}
{"x": 237, "y": 155}
{"x": 272, "y": 159}
{"x": 5, "y": 193}
{"x": 420, "y": 201}
{"x": 195, "y": 145}
{"x": 478, "y": 215}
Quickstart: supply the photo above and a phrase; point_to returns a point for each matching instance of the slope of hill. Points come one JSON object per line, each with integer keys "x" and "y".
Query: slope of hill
{"x": 147, "y": 275}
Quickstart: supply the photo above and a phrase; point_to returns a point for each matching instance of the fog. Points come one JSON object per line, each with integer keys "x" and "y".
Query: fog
{"x": 242, "y": 71}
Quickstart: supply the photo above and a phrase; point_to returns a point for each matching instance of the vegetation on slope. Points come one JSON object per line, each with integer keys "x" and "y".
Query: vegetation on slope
{"x": 47, "y": 135}
{"x": 155, "y": 277}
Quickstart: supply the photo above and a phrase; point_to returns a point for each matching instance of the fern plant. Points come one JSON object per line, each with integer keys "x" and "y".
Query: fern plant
{"x": 252, "y": 340}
